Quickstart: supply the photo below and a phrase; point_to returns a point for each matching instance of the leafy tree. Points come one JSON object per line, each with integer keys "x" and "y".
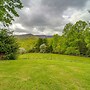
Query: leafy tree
{"x": 62, "y": 44}
{"x": 55, "y": 42}
{"x": 43, "y": 48}
{"x": 87, "y": 40}
{"x": 67, "y": 28}
{"x": 74, "y": 35}
{"x": 8, "y": 11}
{"x": 8, "y": 45}
{"x": 49, "y": 49}
{"x": 79, "y": 29}
{"x": 39, "y": 42}
{"x": 45, "y": 41}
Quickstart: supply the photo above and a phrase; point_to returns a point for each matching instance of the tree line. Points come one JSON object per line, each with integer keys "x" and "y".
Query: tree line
{"x": 75, "y": 40}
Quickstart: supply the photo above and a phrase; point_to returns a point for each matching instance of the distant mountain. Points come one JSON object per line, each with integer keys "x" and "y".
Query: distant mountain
{"x": 30, "y": 35}
{"x": 23, "y": 36}
{"x": 43, "y": 36}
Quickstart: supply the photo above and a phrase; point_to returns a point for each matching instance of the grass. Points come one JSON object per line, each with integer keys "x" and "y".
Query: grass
{"x": 27, "y": 43}
{"x": 45, "y": 72}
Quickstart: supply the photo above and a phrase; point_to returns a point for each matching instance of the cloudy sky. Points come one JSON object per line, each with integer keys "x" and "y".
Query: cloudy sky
{"x": 48, "y": 17}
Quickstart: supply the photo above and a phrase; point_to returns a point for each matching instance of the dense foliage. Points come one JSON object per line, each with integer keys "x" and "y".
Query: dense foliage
{"x": 75, "y": 39}
{"x": 39, "y": 45}
{"x": 8, "y": 45}
{"x": 8, "y": 10}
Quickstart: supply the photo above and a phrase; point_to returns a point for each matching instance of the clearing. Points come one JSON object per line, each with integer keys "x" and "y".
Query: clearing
{"x": 45, "y": 72}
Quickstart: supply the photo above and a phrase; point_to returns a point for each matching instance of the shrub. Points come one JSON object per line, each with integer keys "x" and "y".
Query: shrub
{"x": 88, "y": 53}
{"x": 8, "y": 45}
{"x": 49, "y": 49}
{"x": 72, "y": 51}
{"x": 11, "y": 56}
{"x": 43, "y": 48}
{"x": 22, "y": 51}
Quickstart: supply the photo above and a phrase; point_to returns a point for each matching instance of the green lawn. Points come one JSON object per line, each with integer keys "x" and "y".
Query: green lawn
{"x": 45, "y": 72}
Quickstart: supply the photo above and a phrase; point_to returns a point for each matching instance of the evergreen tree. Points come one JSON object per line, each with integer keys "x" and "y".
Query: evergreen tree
{"x": 8, "y": 45}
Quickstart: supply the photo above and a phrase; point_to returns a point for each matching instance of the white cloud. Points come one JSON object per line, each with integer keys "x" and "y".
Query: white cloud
{"x": 72, "y": 15}
{"x": 17, "y": 25}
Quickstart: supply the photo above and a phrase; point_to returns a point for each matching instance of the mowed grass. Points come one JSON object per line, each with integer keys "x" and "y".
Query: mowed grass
{"x": 45, "y": 72}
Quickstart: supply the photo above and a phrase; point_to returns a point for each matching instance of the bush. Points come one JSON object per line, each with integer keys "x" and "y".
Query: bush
{"x": 10, "y": 56}
{"x": 8, "y": 45}
{"x": 72, "y": 51}
{"x": 43, "y": 48}
{"x": 88, "y": 53}
{"x": 22, "y": 51}
{"x": 49, "y": 49}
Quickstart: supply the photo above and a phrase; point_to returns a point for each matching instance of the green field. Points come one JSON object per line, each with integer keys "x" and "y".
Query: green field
{"x": 45, "y": 72}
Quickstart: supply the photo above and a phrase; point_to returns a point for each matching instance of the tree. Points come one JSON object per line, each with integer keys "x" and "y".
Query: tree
{"x": 79, "y": 28}
{"x": 49, "y": 49}
{"x": 43, "y": 48}
{"x": 39, "y": 42}
{"x": 75, "y": 43}
{"x": 8, "y": 11}
{"x": 87, "y": 40}
{"x": 55, "y": 42}
{"x": 8, "y": 45}
{"x": 67, "y": 28}
{"x": 37, "y": 45}
{"x": 63, "y": 44}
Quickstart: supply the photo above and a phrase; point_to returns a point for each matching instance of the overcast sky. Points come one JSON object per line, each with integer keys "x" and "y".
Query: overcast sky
{"x": 48, "y": 17}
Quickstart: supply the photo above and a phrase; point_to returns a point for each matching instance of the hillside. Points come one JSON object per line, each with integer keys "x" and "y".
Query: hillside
{"x": 30, "y": 35}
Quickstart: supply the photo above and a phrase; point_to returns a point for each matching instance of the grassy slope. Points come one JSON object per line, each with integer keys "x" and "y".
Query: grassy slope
{"x": 27, "y": 43}
{"x": 45, "y": 72}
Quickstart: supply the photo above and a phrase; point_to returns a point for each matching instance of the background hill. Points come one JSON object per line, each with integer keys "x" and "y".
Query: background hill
{"x": 30, "y": 35}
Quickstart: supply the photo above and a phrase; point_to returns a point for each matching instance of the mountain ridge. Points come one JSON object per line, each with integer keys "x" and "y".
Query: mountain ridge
{"x": 30, "y": 35}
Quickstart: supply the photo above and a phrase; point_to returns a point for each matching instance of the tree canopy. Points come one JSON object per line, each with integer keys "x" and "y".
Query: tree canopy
{"x": 8, "y": 11}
